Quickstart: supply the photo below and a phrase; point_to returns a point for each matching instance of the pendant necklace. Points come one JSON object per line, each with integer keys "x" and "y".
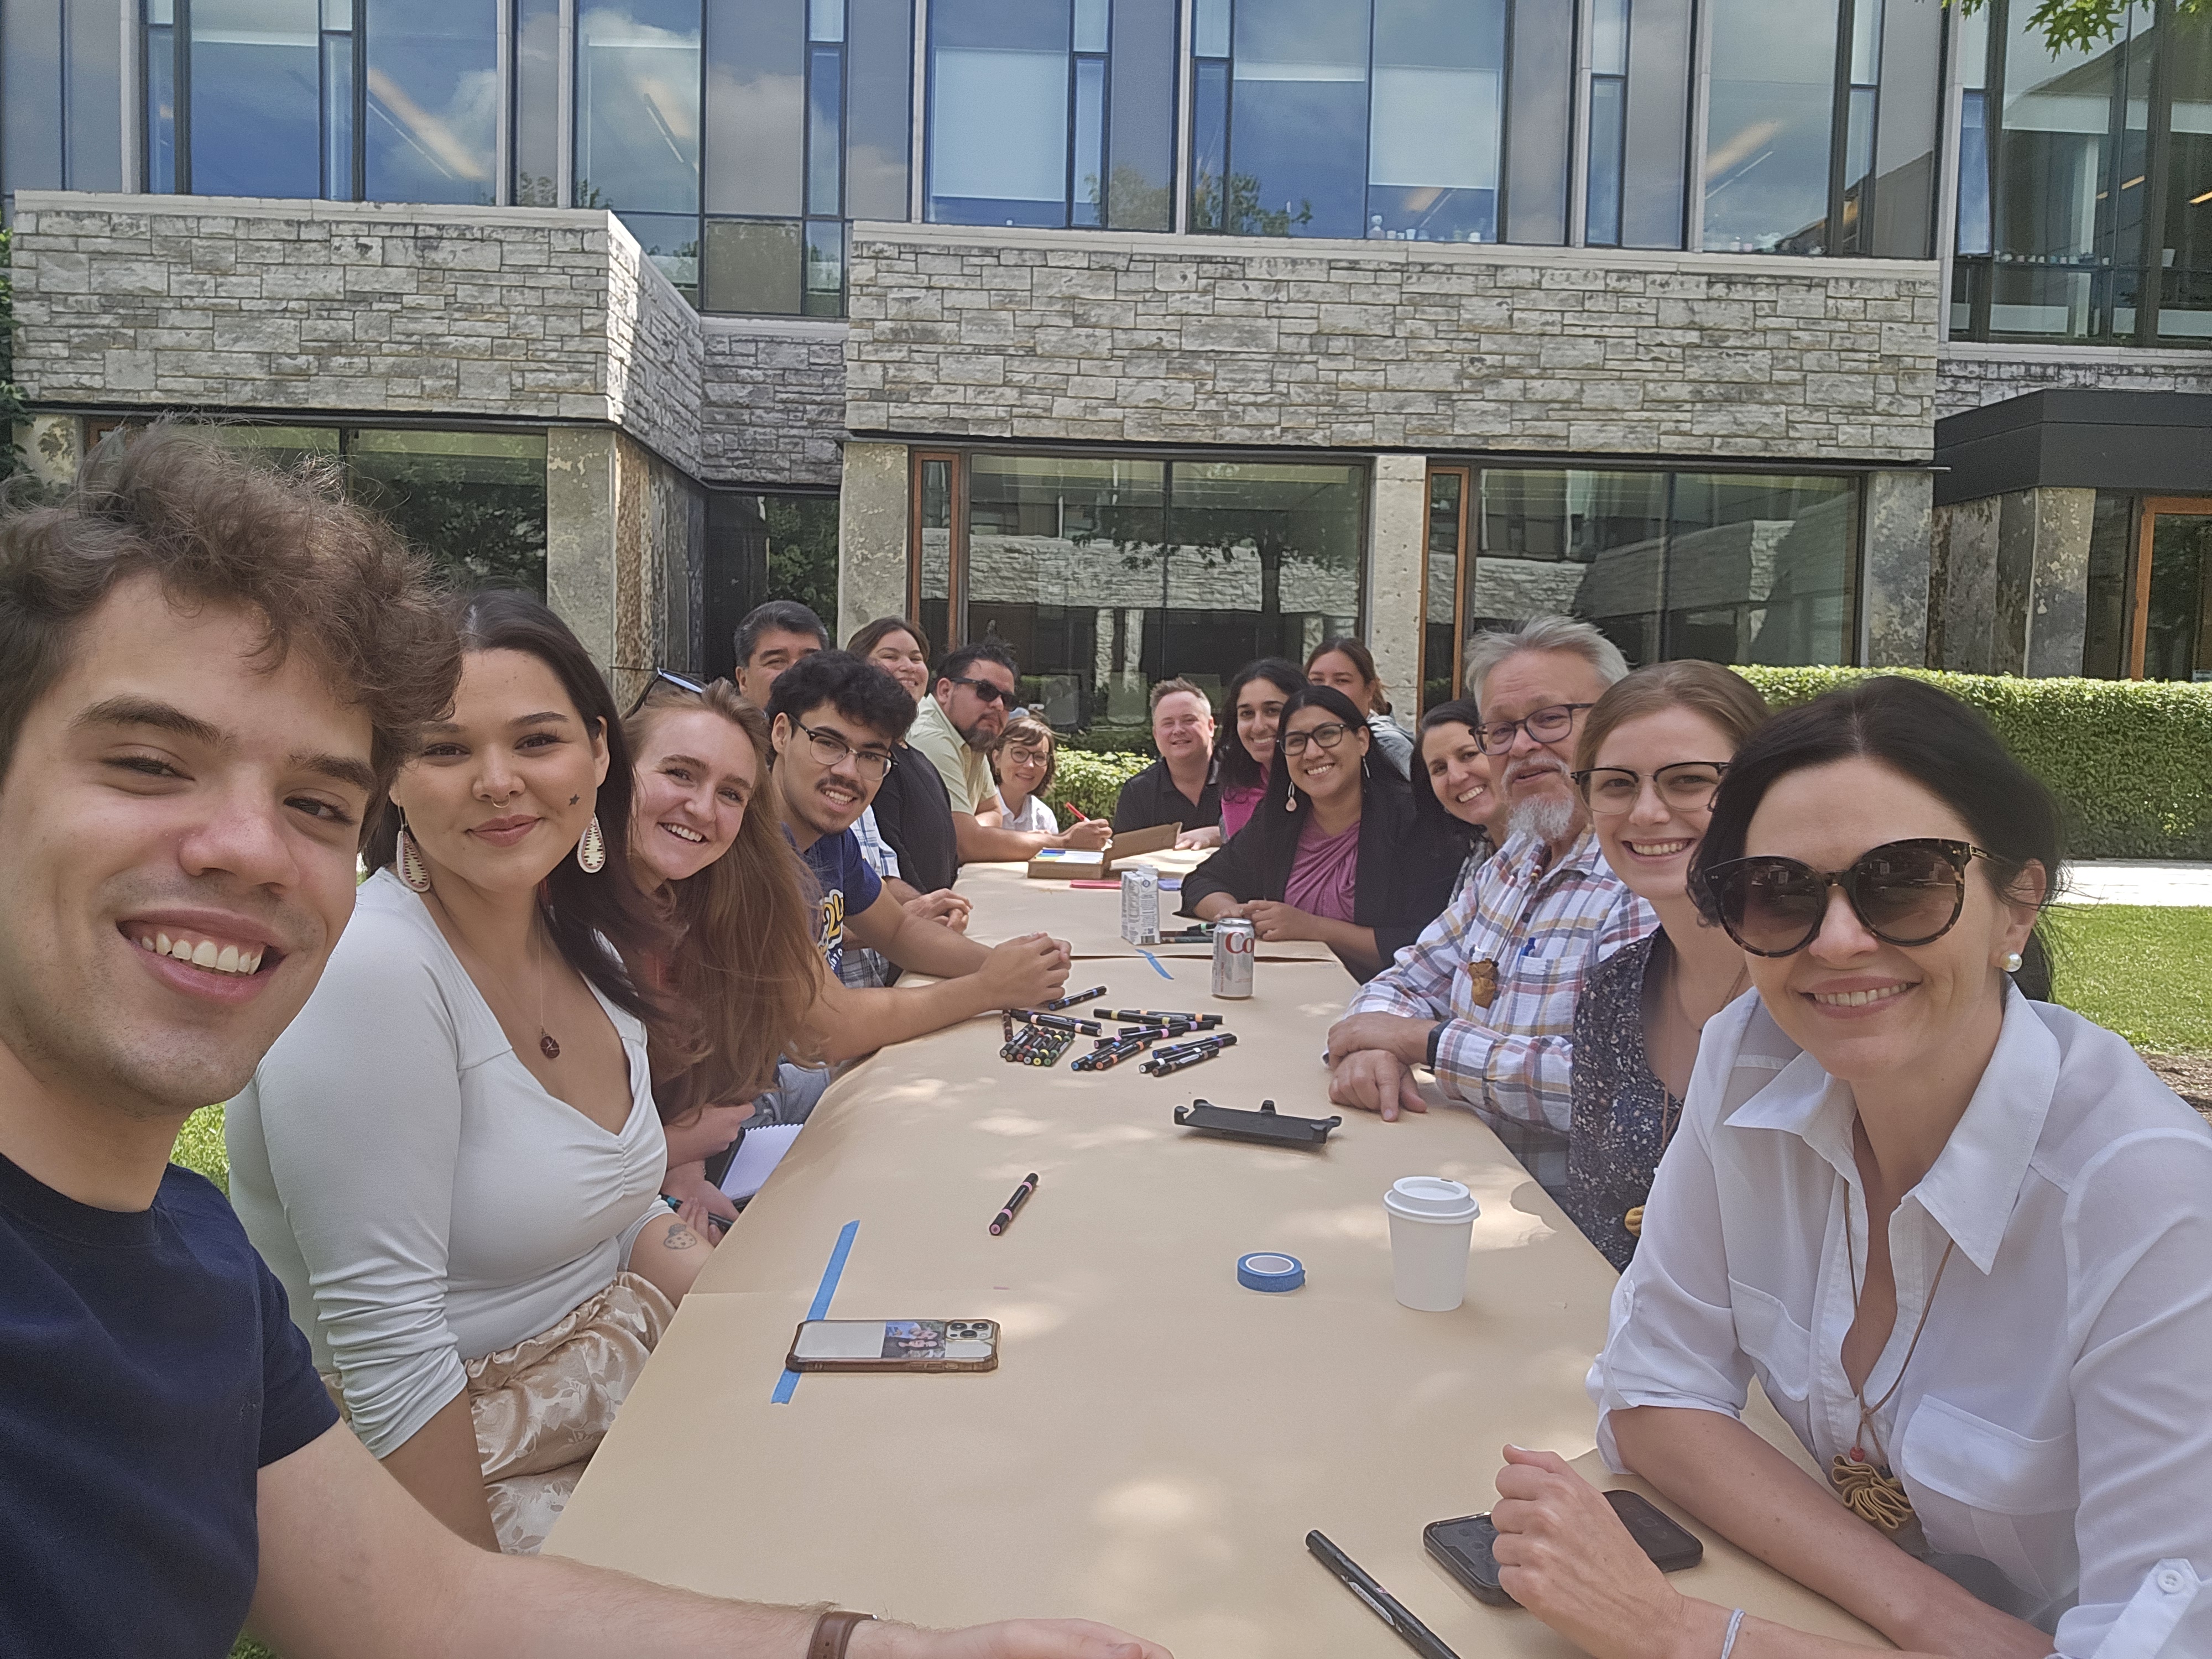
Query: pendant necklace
{"x": 1868, "y": 1488}
{"x": 546, "y": 1045}
{"x": 1670, "y": 1109}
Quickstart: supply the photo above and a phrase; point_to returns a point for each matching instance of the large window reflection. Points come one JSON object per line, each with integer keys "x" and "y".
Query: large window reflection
{"x": 1728, "y": 567}
{"x": 258, "y": 98}
{"x": 1106, "y": 575}
{"x": 637, "y": 124}
{"x": 431, "y": 86}
{"x": 61, "y": 96}
{"x": 1773, "y": 109}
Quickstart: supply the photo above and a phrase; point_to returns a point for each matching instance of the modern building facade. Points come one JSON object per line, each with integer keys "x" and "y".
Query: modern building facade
{"x": 1154, "y": 335}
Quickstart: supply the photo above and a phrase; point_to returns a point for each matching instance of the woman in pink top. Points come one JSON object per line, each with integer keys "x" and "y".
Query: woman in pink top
{"x": 1331, "y": 853}
{"x": 1244, "y": 744}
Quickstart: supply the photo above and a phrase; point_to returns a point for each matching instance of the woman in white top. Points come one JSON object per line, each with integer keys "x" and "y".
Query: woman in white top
{"x": 1024, "y": 760}
{"x": 451, "y": 1158}
{"x": 1958, "y": 1235}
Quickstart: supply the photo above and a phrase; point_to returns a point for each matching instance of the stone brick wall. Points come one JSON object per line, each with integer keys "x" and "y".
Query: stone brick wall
{"x": 342, "y": 307}
{"x": 1060, "y": 336}
{"x": 774, "y": 397}
{"x": 1970, "y": 375}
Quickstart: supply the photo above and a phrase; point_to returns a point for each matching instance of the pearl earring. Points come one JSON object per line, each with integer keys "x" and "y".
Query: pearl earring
{"x": 2012, "y": 961}
{"x": 591, "y": 851}
{"x": 412, "y": 869}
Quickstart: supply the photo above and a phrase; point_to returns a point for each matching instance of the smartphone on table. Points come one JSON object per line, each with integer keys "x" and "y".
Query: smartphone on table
{"x": 895, "y": 1344}
{"x": 1462, "y": 1546}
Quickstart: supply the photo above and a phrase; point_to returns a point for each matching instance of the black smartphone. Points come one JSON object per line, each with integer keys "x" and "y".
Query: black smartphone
{"x": 1462, "y": 1546}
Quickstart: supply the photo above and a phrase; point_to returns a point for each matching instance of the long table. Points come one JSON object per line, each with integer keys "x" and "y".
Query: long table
{"x": 1006, "y": 902}
{"x": 1157, "y": 1440}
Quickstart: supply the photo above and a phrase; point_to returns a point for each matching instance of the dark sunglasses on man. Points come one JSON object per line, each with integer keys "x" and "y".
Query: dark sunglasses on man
{"x": 1906, "y": 892}
{"x": 985, "y": 689}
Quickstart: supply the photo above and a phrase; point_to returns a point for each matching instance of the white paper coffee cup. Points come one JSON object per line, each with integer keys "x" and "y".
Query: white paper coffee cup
{"x": 1431, "y": 1230}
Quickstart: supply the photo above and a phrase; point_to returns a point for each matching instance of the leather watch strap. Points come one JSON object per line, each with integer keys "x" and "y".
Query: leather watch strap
{"x": 1436, "y": 1040}
{"x": 832, "y": 1632}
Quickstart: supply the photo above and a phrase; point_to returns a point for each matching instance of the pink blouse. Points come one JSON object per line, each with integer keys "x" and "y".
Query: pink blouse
{"x": 1237, "y": 806}
{"x": 1324, "y": 873}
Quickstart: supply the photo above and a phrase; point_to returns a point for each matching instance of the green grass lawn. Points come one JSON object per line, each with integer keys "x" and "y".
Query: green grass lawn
{"x": 2144, "y": 970}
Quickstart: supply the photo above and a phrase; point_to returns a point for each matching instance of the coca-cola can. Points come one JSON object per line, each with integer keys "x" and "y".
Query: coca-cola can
{"x": 1234, "y": 946}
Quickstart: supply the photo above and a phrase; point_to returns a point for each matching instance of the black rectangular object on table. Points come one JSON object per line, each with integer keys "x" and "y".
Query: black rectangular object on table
{"x": 1267, "y": 1125}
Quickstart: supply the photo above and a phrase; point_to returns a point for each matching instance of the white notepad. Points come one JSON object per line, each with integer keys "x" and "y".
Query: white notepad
{"x": 758, "y": 1155}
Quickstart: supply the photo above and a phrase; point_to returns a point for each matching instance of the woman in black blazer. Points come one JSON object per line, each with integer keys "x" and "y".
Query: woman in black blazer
{"x": 1334, "y": 853}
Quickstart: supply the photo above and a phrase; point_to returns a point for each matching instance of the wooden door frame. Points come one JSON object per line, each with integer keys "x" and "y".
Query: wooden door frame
{"x": 2148, "y": 511}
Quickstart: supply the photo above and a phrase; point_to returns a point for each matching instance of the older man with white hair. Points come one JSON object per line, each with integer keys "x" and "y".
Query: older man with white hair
{"x": 1486, "y": 998}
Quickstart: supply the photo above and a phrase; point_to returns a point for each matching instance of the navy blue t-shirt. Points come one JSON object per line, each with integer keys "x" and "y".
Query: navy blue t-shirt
{"x": 148, "y": 1368}
{"x": 848, "y": 887}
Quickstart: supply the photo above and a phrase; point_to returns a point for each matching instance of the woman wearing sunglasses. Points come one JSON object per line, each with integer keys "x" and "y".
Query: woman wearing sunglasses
{"x": 1331, "y": 855}
{"x": 1958, "y": 1235}
{"x": 1652, "y": 752}
{"x": 735, "y": 896}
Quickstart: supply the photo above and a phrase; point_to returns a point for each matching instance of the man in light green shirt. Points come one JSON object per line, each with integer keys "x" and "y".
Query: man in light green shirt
{"x": 956, "y": 727}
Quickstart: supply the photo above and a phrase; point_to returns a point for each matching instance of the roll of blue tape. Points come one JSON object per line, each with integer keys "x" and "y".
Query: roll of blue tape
{"x": 1270, "y": 1270}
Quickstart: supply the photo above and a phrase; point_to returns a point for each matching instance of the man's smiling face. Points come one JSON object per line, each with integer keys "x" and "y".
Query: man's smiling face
{"x": 181, "y": 824}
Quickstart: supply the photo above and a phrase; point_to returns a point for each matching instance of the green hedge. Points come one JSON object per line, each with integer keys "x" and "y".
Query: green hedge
{"x": 2129, "y": 760}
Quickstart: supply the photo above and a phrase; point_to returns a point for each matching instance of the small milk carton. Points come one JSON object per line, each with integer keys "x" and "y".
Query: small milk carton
{"x": 1140, "y": 905}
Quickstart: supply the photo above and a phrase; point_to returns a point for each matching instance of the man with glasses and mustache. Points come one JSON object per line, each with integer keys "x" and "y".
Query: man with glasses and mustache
{"x": 956, "y": 725}
{"x": 835, "y": 722}
{"x": 1486, "y": 998}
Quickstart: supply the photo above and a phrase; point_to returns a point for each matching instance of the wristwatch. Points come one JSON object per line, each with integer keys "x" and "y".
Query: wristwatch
{"x": 832, "y": 1632}
{"x": 1436, "y": 1037}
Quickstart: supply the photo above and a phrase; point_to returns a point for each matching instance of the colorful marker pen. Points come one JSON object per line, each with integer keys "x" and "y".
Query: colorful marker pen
{"x": 1004, "y": 1217}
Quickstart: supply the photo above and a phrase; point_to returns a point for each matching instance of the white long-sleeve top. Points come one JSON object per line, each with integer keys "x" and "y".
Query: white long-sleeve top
{"x": 423, "y": 1199}
{"x": 2054, "y": 1429}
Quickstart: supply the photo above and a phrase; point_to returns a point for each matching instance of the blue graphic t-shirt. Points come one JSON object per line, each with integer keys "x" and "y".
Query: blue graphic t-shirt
{"x": 848, "y": 887}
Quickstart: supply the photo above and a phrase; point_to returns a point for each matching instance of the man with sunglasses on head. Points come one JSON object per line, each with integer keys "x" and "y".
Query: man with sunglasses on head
{"x": 1486, "y": 998}
{"x": 835, "y": 722}
{"x": 956, "y": 725}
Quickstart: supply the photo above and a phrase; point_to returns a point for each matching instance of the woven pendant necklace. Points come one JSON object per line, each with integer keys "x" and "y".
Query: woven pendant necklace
{"x": 1868, "y": 1488}
{"x": 546, "y": 1045}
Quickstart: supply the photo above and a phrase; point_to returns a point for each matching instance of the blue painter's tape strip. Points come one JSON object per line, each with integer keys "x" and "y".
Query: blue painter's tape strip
{"x": 787, "y": 1384}
{"x": 1155, "y": 961}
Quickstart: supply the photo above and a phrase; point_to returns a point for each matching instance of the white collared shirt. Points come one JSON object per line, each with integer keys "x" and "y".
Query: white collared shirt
{"x": 2055, "y": 1428}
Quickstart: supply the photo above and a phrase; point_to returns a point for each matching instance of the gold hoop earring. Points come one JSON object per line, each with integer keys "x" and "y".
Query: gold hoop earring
{"x": 413, "y": 870}
{"x": 591, "y": 851}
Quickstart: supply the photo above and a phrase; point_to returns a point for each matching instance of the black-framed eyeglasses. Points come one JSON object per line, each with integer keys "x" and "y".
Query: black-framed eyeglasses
{"x": 657, "y": 677}
{"x": 1684, "y": 785}
{"x": 1546, "y": 725}
{"x": 1328, "y": 735}
{"x": 830, "y": 747}
{"x": 985, "y": 689}
{"x": 1906, "y": 892}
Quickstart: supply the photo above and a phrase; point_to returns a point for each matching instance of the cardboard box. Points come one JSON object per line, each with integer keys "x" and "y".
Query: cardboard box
{"x": 1065, "y": 864}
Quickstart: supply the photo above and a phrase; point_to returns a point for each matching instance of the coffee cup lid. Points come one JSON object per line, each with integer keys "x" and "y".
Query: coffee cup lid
{"x": 1431, "y": 1198}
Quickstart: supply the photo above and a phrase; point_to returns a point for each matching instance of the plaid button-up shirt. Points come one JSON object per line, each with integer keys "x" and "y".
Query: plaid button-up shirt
{"x": 863, "y": 969}
{"x": 1544, "y": 927}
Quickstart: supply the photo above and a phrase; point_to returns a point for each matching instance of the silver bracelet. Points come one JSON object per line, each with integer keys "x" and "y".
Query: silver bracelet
{"x": 1728, "y": 1642}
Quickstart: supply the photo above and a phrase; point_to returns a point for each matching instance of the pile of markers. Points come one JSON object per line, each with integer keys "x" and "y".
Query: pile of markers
{"x": 1046, "y": 1035}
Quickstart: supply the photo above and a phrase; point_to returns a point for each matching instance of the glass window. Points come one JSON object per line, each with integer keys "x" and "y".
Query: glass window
{"x": 160, "y": 111}
{"x": 1609, "y": 119}
{"x": 1440, "y": 602}
{"x": 432, "y": 75}
{"x": 1298, "y": 114}
{"x": 475, "y": 502}
{"x": 762, "y": 547}
{"x": 2183, "y": 215}
{"x": 1087, "y": 200}
{"x": 2111, "y": 555}
{"x": 2178, "y": 619}
{"x": 755, "y": 94}
{"x": 825, "y": 128}
{"x": 999, "y": 112}
{"x": 1141, "y": 123}
{"x": 1974, "y": 132}
{"x": 1104, "y": 575}
{"x": 1540, "y": 115}
{"x": 1732, "y": 568}
{"x": 1654, "y": 144}
{"x": 1437, "y": 119}
{"x": 936, "y": 494}
{"x": 1903, "y": 216}
{"x": 637, "y": 122}
{"x": 339, "y": 160}
{"x": 536, "y": 115}
{"x": 31, "y": 95}
{"x": 825, "y": 268}
{"x": 878, "y": 110}
{"x": 753, "y": 265}
{"x": 93, "y": 156}
{"x": 257, "y": 98}
{"x": 1772, "y": 115}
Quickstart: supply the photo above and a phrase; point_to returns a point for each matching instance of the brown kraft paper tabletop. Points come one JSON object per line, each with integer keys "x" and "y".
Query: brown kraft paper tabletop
{"x": 1156, "y": 1439}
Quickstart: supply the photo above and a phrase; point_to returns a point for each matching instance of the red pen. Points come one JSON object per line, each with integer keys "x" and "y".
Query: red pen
{"x": 1081, "y": 817}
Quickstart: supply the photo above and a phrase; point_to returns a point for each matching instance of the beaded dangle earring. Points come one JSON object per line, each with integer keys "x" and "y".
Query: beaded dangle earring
{"x": 591, "y": 851}
{"x": 413, "y": 870}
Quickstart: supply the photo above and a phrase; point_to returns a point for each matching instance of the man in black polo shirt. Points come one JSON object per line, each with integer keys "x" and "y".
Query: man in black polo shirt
{"x": 208, "y": 677}
{"x": 1179, "y": 787}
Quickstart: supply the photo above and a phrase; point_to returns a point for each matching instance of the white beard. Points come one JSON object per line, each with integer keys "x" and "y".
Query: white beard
{"x": 1548, "y": 817}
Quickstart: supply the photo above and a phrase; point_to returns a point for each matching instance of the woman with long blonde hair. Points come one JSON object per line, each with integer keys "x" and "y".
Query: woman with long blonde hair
{"x": 739, "y": 900}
